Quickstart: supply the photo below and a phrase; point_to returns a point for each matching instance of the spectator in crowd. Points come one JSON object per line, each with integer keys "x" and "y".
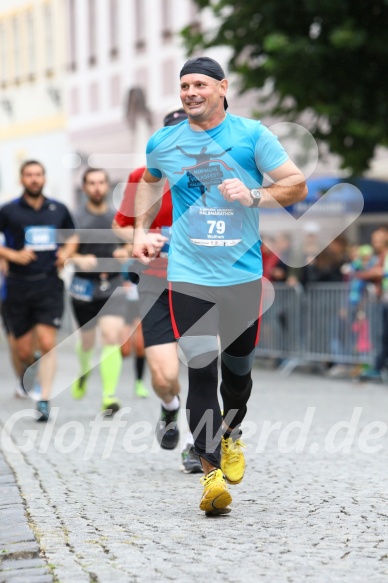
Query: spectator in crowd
{"x": 283, "y": 246}
{"x": 305, "y": 253}
{"x": 379, "y": 275}
{"x": 325, "y": 267}
{"x": 364, "y": 259}
{"x": 270, "y": 258}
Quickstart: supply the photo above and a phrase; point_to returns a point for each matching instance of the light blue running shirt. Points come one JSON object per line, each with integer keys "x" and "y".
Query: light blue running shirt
{"x": 214, "y": 242}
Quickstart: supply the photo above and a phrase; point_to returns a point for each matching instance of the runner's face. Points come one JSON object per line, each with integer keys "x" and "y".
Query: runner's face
{"x": 96, "y": 187}
{"x": 33, "y": 180}
{"x": 202, "y": 96}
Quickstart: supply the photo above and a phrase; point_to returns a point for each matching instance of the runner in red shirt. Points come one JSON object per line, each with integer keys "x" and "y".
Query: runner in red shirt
{"x": 159, "y": 339}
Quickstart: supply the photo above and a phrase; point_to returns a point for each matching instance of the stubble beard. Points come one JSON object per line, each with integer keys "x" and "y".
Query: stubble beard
{"x": 33, "y": 193}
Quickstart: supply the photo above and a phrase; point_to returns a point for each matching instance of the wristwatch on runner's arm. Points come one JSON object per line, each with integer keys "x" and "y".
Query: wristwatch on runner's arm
{"x": 256, "y": 196}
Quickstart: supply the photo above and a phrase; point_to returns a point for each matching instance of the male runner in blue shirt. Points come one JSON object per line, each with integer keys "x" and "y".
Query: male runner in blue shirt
{"x": 214, "y": 163}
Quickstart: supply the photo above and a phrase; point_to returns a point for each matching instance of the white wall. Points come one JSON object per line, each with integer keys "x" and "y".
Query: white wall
{"x": 47, "y": 149}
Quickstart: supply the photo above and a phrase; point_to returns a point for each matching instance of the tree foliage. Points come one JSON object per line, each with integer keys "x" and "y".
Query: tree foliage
{"x": 325, "y": 57}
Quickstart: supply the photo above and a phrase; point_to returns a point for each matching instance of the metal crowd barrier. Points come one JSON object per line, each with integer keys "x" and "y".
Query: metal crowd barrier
{"x": 281, "y": 325}
{"x": 327, "y": 322}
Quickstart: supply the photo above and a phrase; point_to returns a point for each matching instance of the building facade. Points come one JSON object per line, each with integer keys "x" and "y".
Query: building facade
{"x": 124, "y": 58}
{"x": 33, "y": 120}
{"x": 88, "y": 81}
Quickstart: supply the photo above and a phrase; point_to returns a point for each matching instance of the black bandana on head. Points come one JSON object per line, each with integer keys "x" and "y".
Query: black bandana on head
{"x": 204, "y": 66}
{"x": 174, "y": 117}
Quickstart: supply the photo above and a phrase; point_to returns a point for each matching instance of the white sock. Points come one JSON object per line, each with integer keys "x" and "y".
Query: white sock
{"x": 173, "y": 405}
{"x": 189, "y": 438}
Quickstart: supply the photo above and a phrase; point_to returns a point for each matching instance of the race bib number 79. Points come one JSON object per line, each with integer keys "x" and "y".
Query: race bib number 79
{"x": 215, "y": 226}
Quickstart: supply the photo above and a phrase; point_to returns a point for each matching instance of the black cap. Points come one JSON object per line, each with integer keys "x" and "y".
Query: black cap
{"x": 204, "y": 66}
{"x": 174, "y": 117}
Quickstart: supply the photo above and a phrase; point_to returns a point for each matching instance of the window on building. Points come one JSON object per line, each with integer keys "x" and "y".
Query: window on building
{"x": 166, "y": 19}
{"x": 94, "y": 96}
{"x": 194, "y": 11}
{"x": 168, "y": 77}
{"x": 17, "y": 64}
{"x": 3, "y": 55}
{"x": 137, "y": 106}
{"x": 113, "y": 28}
{"x": 139, "y": 24}
{"x": 194, "y": 16}
{"x": 31, "y": 59}
{"x": 48, "y": 19}
{"x": 74, "y": 101}
{"x": 92, "y": 22}
{"x": 72, "y": 35}
{"x": 115, "y": 91}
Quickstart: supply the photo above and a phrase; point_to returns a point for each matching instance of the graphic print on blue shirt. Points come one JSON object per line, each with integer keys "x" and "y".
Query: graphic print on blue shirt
{"x": 214, "y": 242}
{"x": 206, "y": 172}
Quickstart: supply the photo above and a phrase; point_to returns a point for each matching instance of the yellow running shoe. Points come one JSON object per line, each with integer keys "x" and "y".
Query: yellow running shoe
{"x": 215, "y": 498}
{"x": 232, "y": 460}
{"x": 78, "y": 388}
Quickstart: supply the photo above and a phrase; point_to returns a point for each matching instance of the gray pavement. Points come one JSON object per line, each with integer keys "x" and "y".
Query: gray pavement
{"x": 106, "y": 504}
{"x": 20, "y": 558}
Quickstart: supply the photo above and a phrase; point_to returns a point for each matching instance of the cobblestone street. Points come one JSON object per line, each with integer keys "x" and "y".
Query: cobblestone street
{"x": 104, "y": 503}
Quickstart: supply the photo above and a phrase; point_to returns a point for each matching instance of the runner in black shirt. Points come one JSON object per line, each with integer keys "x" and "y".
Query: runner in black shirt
{"x": 34, "y": 291}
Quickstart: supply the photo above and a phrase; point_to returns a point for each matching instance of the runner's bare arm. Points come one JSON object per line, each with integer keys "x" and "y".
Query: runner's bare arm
{"x": 22, "y": 257}
{"x": 147, "y": 205}
{"x": 125, "y": 233}
{"x": 374, "y": 274}
{"x": 288, "y": 187}
{"x": 148, "y": 199}
{"x": 67, "y": 250}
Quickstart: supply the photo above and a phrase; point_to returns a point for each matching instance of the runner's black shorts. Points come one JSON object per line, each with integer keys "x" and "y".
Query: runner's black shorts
{"x": 232, "y": 312}
{"x": 87, "y": 314}
{"x": 3, "y": 309}
{"x": 155, "y": 311}
{"x": 29, "y": 303}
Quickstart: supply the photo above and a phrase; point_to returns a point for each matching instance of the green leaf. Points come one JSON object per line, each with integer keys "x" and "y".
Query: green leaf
{"x": 275, "y": 42}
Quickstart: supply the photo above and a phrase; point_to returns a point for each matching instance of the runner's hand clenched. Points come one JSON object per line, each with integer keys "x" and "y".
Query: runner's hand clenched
{"x": 23, "y": 257}
{"x": 232, "y": 189}
{"x": 147, "y": 245}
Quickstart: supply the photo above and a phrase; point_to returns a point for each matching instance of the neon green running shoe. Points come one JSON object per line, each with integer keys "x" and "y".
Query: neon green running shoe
{"x": 78, "y": 389}
{"x": 232, "y": 460}
{"x": 141, "y": 390}
{"x": 215, "y": 498}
